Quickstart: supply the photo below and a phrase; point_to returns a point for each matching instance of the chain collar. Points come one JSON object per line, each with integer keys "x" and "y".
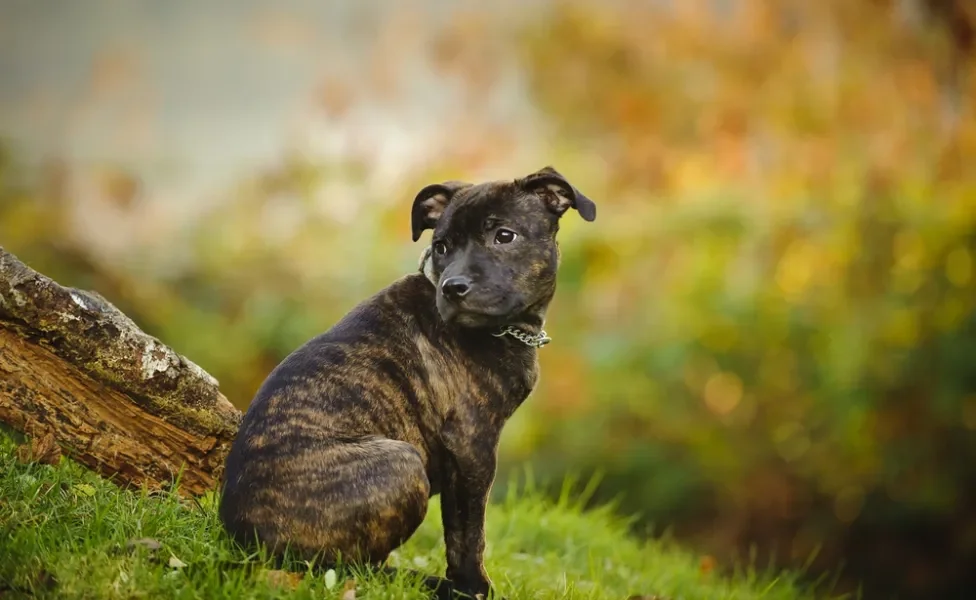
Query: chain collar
{"x": 533, "y": 340}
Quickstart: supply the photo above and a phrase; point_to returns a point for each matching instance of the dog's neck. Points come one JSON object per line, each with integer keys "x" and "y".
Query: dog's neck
{"x": 527, "y": 330}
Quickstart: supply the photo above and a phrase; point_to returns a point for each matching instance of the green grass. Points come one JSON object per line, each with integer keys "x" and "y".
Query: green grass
{"x": 63, "y": 534}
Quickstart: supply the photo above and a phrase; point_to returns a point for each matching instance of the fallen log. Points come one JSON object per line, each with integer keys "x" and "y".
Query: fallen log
{"x": 80, "y": 378}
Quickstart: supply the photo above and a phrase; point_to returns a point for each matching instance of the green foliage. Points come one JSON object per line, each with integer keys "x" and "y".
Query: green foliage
{"x": 65, "y": 533}
{"x": 776, "y": 316}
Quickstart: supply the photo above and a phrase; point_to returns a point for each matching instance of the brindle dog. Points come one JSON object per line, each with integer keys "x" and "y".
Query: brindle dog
{"x": 406, "y": 396}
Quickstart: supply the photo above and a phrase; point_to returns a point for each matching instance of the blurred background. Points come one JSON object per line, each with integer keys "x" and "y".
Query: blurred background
{"x": 766, "y": 344}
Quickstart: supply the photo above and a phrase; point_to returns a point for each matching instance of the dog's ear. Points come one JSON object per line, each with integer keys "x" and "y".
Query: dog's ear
{"x": 557, "y": 193}
{"x": 430, "y": 203}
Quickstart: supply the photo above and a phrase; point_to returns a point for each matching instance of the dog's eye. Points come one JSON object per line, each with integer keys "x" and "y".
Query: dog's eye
{"x": 505, "y": 236}
{"x": 440, "y": 248}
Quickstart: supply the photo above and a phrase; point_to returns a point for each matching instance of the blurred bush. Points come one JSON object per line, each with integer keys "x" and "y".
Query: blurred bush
{"x": 766, "y": 338}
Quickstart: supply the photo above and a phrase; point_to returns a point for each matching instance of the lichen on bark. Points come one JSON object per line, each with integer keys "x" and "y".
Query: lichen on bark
{"x": 106, "y": 354}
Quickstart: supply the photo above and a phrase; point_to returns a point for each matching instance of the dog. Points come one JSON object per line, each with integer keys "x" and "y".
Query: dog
{"x": 406, "y": 396}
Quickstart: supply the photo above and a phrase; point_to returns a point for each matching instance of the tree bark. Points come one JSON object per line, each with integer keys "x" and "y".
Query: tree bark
{"x": 75, "y": 371}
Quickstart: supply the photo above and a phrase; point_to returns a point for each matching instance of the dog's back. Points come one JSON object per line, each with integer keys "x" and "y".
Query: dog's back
{"x": 316, "y": 430}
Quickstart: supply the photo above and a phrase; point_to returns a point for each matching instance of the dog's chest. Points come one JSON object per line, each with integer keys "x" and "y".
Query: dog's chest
{"x": 494, "y": 384}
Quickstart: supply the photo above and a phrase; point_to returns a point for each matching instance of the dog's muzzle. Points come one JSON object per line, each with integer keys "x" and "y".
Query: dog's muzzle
{"x": 534, "y": 340}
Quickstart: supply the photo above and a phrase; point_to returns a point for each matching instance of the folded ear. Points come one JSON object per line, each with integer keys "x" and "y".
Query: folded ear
{"x": 430, "y": 203}
{"x": 558, "y": 194}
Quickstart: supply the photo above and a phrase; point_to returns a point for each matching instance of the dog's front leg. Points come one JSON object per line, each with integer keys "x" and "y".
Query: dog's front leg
{"x": 468, "y": 479}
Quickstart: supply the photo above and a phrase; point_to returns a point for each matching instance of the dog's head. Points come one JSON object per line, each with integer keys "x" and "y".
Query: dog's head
{"x": 493, "y": 250}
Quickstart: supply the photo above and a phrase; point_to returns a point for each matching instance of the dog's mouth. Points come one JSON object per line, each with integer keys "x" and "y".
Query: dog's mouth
{"x": 473, "y": 314}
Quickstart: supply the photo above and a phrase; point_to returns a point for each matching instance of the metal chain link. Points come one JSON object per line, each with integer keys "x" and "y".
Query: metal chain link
{"x": 537, "y": 340}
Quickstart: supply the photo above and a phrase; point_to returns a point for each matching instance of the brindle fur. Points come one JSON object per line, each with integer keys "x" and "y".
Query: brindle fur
{"x": 406, "y": 396}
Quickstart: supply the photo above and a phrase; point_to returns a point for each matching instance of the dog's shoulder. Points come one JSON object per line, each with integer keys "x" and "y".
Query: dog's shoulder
{"x": 413, "y": 292}
{"x": 406, "y": 304}
{"x": 387, "y": 319}
{"x": 405, "y": 301}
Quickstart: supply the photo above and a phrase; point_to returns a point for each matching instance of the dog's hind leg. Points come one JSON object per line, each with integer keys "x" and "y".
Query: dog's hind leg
{"x": 351, "y": 501}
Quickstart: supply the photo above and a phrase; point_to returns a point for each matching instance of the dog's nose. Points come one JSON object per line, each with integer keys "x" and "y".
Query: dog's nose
{"x": 456, "y": 287}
